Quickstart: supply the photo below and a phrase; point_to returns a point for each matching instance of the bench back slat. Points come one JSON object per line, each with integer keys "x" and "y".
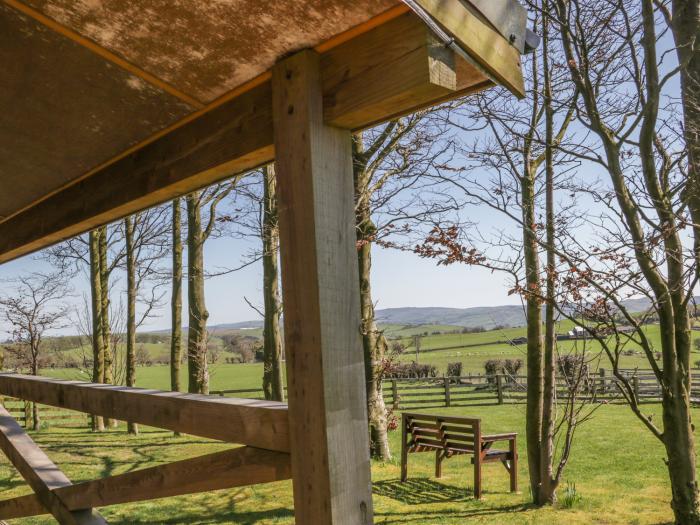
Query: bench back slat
{"x": 426, "y": 431}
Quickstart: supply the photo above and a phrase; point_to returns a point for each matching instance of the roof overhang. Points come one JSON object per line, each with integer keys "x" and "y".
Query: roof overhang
{"x": 111, "y": 106}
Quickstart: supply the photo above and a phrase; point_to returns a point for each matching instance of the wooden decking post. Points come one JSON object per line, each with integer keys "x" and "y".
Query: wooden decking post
{"x": 327, "y": 409}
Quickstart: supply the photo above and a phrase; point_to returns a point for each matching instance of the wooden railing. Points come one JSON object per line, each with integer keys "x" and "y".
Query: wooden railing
{"x": 262, "y": 426}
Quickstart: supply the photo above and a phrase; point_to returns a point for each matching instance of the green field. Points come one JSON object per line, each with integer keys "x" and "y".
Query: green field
{"x": 617, "y": 468}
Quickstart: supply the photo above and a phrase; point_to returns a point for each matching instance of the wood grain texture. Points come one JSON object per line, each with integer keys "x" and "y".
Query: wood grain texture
{"x": 227, "y": 469}
{"x": 368, "y": 79}
{"x": 380, "y": 75}
{"x": 325, "y": 373}
{"x": 42, "y": 475}
{"x": 260, "y": 424}
{"x": 481, "y": 41}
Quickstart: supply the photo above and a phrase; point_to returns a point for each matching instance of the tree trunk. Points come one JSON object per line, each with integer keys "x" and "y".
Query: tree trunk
{"x": 373, "y": 342}
{"x": 106, "y": 328}
{"x": 96, "y": 306}
{"x": 273, "y": 379}
{"x": 131, "y": 286}
{"x": 535, "y": 363}
{"x": 548, "y": 483}
{"x": 176, "y": 300}
{"x": 198, "y": 315}
{"x": 36, "y": 420}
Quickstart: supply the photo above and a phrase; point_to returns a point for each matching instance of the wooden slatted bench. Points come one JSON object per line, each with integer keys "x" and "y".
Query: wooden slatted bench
{"x": 449, "y": 436}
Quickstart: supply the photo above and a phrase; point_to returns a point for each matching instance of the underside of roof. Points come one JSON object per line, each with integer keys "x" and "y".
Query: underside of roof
{"x": 91, "y": 83}
{"x": 85, "y": 80}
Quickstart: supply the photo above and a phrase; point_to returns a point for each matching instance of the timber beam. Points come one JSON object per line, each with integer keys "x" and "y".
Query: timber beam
{"x": 231, "y": 468}
{"x": 42, "y": 475}
{"x": 261, "y": 424}
{"x": 391, "y": 70}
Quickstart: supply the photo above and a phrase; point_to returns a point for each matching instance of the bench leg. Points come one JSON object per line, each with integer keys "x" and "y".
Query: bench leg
{"x": 477, "y": 476}
{"x": 438, "y": 463}
{"x": 513, "y": 466}
{"x": 404, "y": 451}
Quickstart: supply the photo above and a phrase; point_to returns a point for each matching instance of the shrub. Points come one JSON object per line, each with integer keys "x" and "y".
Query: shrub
{"x": 454, "y": 369}
{"x": 572, "y": 367}
{"x": 512, "y": 366}
{"x": 492, "y": 367}
{"x": 410, "y": 370}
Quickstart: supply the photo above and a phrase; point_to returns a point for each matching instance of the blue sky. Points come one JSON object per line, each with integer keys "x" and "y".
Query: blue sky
{"x": 399, "y": 279}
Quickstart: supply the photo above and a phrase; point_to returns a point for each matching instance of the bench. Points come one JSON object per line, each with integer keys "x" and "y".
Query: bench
{"x": 449, "y": 436}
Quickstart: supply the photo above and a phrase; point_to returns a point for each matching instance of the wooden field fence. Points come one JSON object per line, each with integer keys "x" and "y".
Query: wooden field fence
{"x": 48, "y": 416}
{"x": 479, "y": 390}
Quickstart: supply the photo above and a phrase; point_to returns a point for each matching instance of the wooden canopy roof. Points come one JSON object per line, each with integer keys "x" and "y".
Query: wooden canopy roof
{"x": 97, "y": 96}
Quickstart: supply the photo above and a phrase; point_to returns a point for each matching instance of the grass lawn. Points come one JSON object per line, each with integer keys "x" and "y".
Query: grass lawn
{"x": 617, "y": 468}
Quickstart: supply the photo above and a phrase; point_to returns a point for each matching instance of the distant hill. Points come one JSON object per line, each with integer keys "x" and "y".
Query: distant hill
{"x": 485, "y": 316}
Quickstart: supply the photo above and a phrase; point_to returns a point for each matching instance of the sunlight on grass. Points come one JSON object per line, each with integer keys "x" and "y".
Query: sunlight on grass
{"x": 617, "y": 468}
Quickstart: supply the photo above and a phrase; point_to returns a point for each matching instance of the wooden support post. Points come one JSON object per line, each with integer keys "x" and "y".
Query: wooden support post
{"x": 42, "y": 475}
{"x": 635, "y": 387}
{"x": 329, "y": 441}
{"x": 602, "y": 380}
{"x": 447, "y": 391}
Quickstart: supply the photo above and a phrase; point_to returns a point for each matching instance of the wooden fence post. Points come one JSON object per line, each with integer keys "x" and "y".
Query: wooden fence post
{"x": 635, "y": 387}
{"x": 394, "y": 394}
{"x": 499, "y": 388}
{"x": 447, "y": 391}
{"x": 602, "y": 380}
{"x": 27, "y": 414}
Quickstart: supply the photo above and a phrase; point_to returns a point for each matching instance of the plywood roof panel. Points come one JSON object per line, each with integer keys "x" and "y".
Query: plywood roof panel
{"x": 63, "y": 110}
{"x": 207, "y": 48}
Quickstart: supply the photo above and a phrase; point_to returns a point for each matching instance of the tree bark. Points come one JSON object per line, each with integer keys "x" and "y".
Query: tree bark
{"x": 104, "y": 304}
{"x": 535, "y": 362}
{"x": 96, "y": 306}
{"x": 131, "y": 291}
{"x": 678, "y": 427}
{"x": 548, "y": 483}
{"x": 176, "y": 300}
{"x": 273, "y": 379}
{"x": 373, "y": 342}
{"x": 198, "y": 371}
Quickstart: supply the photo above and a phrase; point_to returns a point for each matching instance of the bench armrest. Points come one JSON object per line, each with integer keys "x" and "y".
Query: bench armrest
{"x": 499, "y": 437}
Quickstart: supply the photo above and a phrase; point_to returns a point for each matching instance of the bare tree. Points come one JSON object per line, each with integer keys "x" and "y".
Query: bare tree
{"x": 273, "y": 375}
{"x": 145, "y": 247}
{"x": 176, "y": 297}
{"x": 614, "y": 56}
{"x": 391, "y": 200}
{"x": 35, "y": 305}
{"x": 508, "y": 152}
{"x": 199, "y": 229}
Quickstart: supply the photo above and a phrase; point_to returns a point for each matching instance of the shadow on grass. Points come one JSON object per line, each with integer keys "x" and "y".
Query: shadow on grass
{"x": 423, "y": 491}
{"x": 420, "y": 491}
{"x": 241, "y": 518}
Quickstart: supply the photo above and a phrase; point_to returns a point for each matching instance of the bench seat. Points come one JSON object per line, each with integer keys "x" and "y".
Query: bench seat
{"x": 450, "y": 436}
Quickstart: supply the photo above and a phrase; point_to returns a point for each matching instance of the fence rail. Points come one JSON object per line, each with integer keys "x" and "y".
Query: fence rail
{"x": 475, "y": 390}
{"x": 23, "y": 412}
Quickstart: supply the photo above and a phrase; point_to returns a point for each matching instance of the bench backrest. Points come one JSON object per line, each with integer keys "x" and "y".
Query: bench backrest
{"x": 448, "y": 432}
